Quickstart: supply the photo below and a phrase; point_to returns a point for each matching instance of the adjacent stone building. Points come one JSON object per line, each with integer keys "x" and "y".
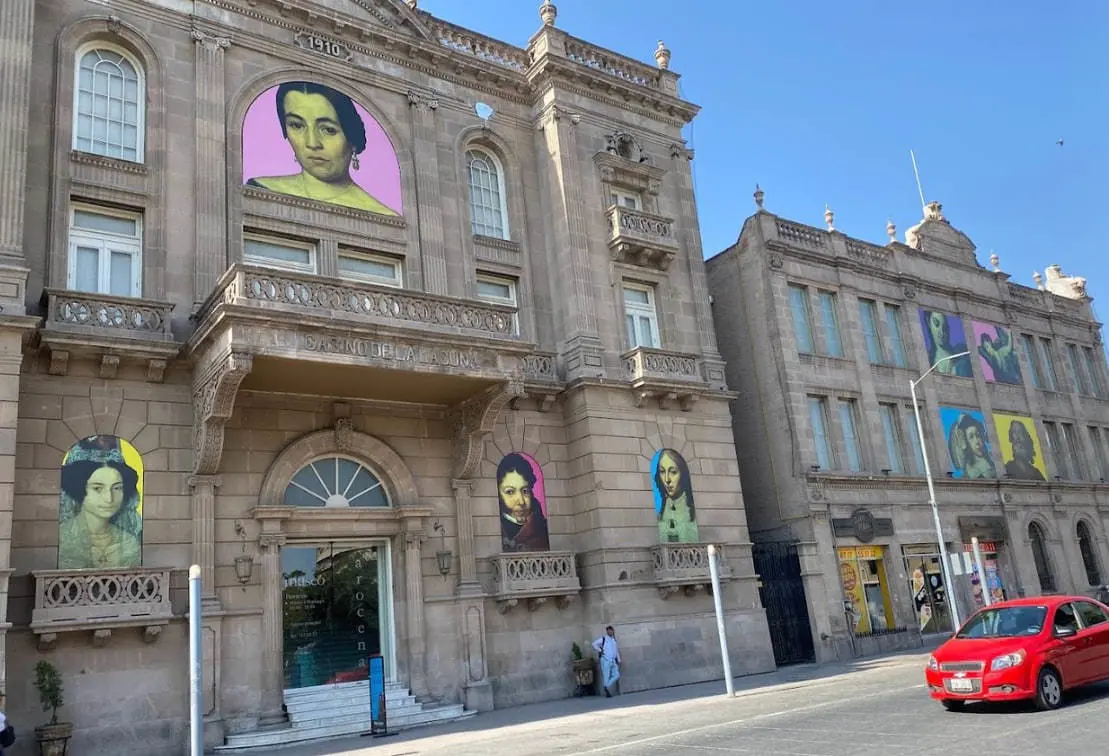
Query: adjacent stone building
{"x": 400, "y": 333}
{"x": 822, "y": 334}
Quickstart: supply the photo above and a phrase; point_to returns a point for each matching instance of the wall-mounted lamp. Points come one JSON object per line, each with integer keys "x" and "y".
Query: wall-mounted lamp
{"x": 443, "y": 556}
{"x": 244, "y": 562}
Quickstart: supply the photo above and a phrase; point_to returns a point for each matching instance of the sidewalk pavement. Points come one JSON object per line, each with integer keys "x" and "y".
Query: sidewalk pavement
{"x": 780, "y": 680}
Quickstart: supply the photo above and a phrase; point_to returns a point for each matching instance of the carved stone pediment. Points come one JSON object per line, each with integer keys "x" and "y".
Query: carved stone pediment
{"x": 632, "y": 174}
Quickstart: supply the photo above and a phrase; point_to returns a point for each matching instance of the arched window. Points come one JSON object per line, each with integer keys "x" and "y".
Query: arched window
{"x": 488, "y": 208}
{"x": 1089, "y": 555}
{"x": 335, "y": 482}
{"x": 109, "y": 101}
{"x": 1039, "y": 556}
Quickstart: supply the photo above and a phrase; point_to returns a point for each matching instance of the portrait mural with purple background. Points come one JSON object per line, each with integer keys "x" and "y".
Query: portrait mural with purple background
{"x": 310, "y": 141}
{"x": 943, "y": 337}
{"x": 997, "y": 354}
{"x": 523, "y": 504}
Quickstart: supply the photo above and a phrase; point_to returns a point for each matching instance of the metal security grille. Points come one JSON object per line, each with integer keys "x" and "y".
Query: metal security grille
{"x": 783, "y": 595}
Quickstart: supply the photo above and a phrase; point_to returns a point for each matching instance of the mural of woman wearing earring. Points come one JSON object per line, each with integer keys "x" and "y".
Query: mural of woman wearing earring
{"x": 308, "y": 140}
{"x": 100, "y": 512}
{"x": 522, "y": 504}
{"x": 677, "y": 518}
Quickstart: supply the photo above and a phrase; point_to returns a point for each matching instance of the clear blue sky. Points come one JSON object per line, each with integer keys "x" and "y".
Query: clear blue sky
{"x": 820, "y": 103}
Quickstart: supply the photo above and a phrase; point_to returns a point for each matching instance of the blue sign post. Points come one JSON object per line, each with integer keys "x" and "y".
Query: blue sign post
{"x": 379, "y": 722}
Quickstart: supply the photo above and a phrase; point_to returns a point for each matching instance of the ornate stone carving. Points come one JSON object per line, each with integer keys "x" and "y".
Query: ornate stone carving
{"x": 626, "y": 146}
{"x": 125, "y": 316}
{"x": 210, "y": 41}
{"x": 775, "y": 261}
{"x": 344, "y": 433}
{"x": 213, "y": 401}
{"x": 909, "y": 292}
{"x": 535, "y": 577}
{"x": 473, "y": 419}
{"x": 639, "y": 238}
{"x": 678, "y": 566}
{"x": 109, "y": 366}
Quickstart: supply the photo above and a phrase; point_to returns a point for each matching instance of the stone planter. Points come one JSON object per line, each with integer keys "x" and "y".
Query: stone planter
{"x": 53, "y": 740}
{"x": 584, "y": 671}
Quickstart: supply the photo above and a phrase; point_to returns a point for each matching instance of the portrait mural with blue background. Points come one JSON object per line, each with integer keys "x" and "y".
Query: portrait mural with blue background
{"x": 311, "y": 141}
{"x": 523, "y": 504}
{"x": 673, "y": 488}
{"x": 1021, "y": 452}
{"x": 100, "y": 513}
{"x": 968, "y": 443}
{"x": 943, "y": 337}
{"x": 997, "y": 353}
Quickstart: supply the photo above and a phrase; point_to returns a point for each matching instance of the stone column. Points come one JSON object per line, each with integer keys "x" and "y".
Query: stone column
{"x": 11, "y": 352}
{"x": 17, "y": 19}
{"x": 211, "y": 164}
{"x": 425, "y": 153}
{"x": 467, "y": 561}
{"x": 477, "y": 690}
{"x": 273, "y": 677}
{"x": 414, "y": 603}
{"x": 203, "y": 492}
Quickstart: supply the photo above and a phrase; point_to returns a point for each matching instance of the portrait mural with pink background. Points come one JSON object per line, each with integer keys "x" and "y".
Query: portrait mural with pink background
{"x": 308, "y": 140}
{"x": 523, "y": 504}
{"x": 997, "y": 354}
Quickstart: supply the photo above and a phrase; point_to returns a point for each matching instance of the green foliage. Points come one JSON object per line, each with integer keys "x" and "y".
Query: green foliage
{"x": 576, "y": 651}
{"x": 48, "y": 683}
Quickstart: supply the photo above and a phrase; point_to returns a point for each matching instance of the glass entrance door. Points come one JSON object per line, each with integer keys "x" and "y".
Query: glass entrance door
{"x": 928, "y": 591}
{"x": 333, "y": 605}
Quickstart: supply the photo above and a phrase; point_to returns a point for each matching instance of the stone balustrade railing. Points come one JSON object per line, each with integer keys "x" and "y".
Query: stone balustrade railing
{"x": 641, "y": 238}
{"x": 631, "y": 71}
{"x": 647, "y": 364}
{"x": 805, "y": 236}
{"x": 315, "y": 295}
{"x": 103, "y": 314}
{"x": 679, "y": 566}
{"x": 534, "y": 577}
{"x": 100, "y": 601}
{"x": 541, "y": 366}
{"x": 869, "y": 254}
{"x": 484, "y": 48}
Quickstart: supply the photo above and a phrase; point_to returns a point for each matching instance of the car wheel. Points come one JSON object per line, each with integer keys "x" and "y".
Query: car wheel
{"x": 1049, "y": 689}
{"x": 952, "y": 705}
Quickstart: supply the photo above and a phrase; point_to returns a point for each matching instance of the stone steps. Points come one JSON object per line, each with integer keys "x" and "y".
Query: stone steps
{"x": 335, "y": 711}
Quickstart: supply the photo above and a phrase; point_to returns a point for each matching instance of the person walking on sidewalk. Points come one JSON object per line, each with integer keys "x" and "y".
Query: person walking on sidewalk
{"x": 609, "y": 652}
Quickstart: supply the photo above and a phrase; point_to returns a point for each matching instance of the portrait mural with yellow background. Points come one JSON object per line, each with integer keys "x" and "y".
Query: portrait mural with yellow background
{"x": 100, "y": 514}
{"x": 1021, "y": 453}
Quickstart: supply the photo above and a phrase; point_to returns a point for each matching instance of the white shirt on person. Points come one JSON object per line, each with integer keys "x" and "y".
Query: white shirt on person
{"x": 607, "y": 647}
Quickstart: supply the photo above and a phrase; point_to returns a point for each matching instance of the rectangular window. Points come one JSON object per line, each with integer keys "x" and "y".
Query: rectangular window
{"x": 914, "y": 441}
{"x": 625, "y": 199}
{"x": 828, "y": 320}
{"x": 1051, "y": 375}
{"x": 1080, "y": 383}
{"x": 1055, "y": 444}
{"x": 500, "y": 290}
{"x": 1073, "y": 450}
{"x": 1093, "y": 369}
{"x": 1099, "y": 442}
{"x": 868, "y": 317}
{"x": 818, "y": 419}
{"x": 802, "y": 324}
{"x": 847, "y": 413}
{"x": 1028, "y": 346}
{"x": 891, "y": 433}
{"x": 639, "y": 316}
{"x": 377, "y": 269}
{"x": 286, "y": 254}
{"x": 105, "y": 251}
{"x": 896, "y": 342}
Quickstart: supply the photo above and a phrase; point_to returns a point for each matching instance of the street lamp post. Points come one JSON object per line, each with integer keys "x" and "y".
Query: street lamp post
{"x": 950, "y": 591}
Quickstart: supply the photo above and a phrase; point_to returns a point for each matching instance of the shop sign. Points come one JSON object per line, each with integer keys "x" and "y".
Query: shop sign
{"x": 986, "y": 547}
{"x": 860, "y": 552}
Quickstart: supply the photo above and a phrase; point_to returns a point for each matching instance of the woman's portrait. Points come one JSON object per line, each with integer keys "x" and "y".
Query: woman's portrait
{"x": 100, "y": 512}
{"x": 677, "y": 518}
{"x": 944, "y": 337}
{"x": 311, "y": 141}
{"x": 997, "y": 354}
{"x": 522, "y": 504}
{"x": 967, "y": 444}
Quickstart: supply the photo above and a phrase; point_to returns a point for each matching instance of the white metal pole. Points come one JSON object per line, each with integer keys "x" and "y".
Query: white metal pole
{"x": 949, "y": 590}
{"x": 981, "y": 571}
{"x": 714, "y": 572}
{"x": 196, "y": 656}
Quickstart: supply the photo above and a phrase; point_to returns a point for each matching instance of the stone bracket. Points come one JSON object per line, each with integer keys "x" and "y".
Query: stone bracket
{"x": 214, "y": 401}
{"x": 101, "y": 636}
{"x": 473, "y": 419}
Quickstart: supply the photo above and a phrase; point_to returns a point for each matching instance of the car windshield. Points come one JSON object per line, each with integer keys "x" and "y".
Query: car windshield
{"x": 1005, "y": 622}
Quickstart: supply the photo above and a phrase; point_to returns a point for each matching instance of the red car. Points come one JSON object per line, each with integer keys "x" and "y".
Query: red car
{"x": 1031, "y": 648}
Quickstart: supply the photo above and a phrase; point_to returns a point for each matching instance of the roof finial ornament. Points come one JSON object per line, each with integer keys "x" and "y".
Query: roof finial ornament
{"x": 995, "y": 261}
{"x": 662, "y": 55}
{"x": 829, "y": 218}
{"x": 548, "y": 11}
{"x": 891, "y": 230}
{"x": 1038, "y": 279}
{"x": 759, "y": 195}
{"x": 411, "y": 4}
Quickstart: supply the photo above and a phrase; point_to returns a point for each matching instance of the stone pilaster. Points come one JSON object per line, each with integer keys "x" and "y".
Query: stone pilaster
{"x": 467, "y": 561}
{"x": 203, "y": 493}
{"x": 273, "y": 678}
{"x": 414, "y": 604}
{"x": 17, "y": 20}
{"x": 211, "y": 164}
{"x": 11, "y": 353}
{"x": 433, "y": 248}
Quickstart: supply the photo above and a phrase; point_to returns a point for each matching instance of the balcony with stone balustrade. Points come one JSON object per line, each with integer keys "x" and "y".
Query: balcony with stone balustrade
{"x": 534, "y": 578}
{"x": 111, "y": 328}
{"x": 640, "y": 238}
{"x": 684, "y": 567}
{"x": 100, "y": 602}
{"x": 675, "y": 379}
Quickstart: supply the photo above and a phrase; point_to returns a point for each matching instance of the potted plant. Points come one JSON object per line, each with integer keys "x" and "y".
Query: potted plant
{"x": 53, "y": 738}
{"x": 583, "y": 669}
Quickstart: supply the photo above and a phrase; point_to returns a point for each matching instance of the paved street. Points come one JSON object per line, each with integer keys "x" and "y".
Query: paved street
{"x": 867, "y": 709}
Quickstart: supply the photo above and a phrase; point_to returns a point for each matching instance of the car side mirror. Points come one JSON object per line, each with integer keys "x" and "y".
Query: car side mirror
{"x": 1065, "y": 632}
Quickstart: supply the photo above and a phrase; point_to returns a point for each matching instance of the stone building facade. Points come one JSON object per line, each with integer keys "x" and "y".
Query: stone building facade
{"x": 822, "y": 334}
{"x": 400, "y": 333}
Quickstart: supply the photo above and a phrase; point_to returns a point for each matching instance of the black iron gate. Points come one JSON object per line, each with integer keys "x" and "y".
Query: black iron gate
{"x": 783, "y": 595}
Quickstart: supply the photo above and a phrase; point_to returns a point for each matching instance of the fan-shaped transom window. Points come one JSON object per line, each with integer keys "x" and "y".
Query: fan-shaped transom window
{"x": 335, "y": 482}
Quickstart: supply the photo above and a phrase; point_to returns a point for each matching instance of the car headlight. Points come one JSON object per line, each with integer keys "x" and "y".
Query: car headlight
{"x": 1007, "y": 661}
{"x": 933, "y": 664}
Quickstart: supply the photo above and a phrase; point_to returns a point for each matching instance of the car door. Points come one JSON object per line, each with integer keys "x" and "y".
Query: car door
{"x": 1066, "y": 648}
{"x": 1095, "y": 628}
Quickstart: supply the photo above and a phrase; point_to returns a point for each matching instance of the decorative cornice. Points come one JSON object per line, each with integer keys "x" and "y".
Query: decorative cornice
{"x": 100, "y": 161}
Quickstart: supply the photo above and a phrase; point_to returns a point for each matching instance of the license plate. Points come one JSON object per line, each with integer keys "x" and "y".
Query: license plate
{"x": 962, "y": 686}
